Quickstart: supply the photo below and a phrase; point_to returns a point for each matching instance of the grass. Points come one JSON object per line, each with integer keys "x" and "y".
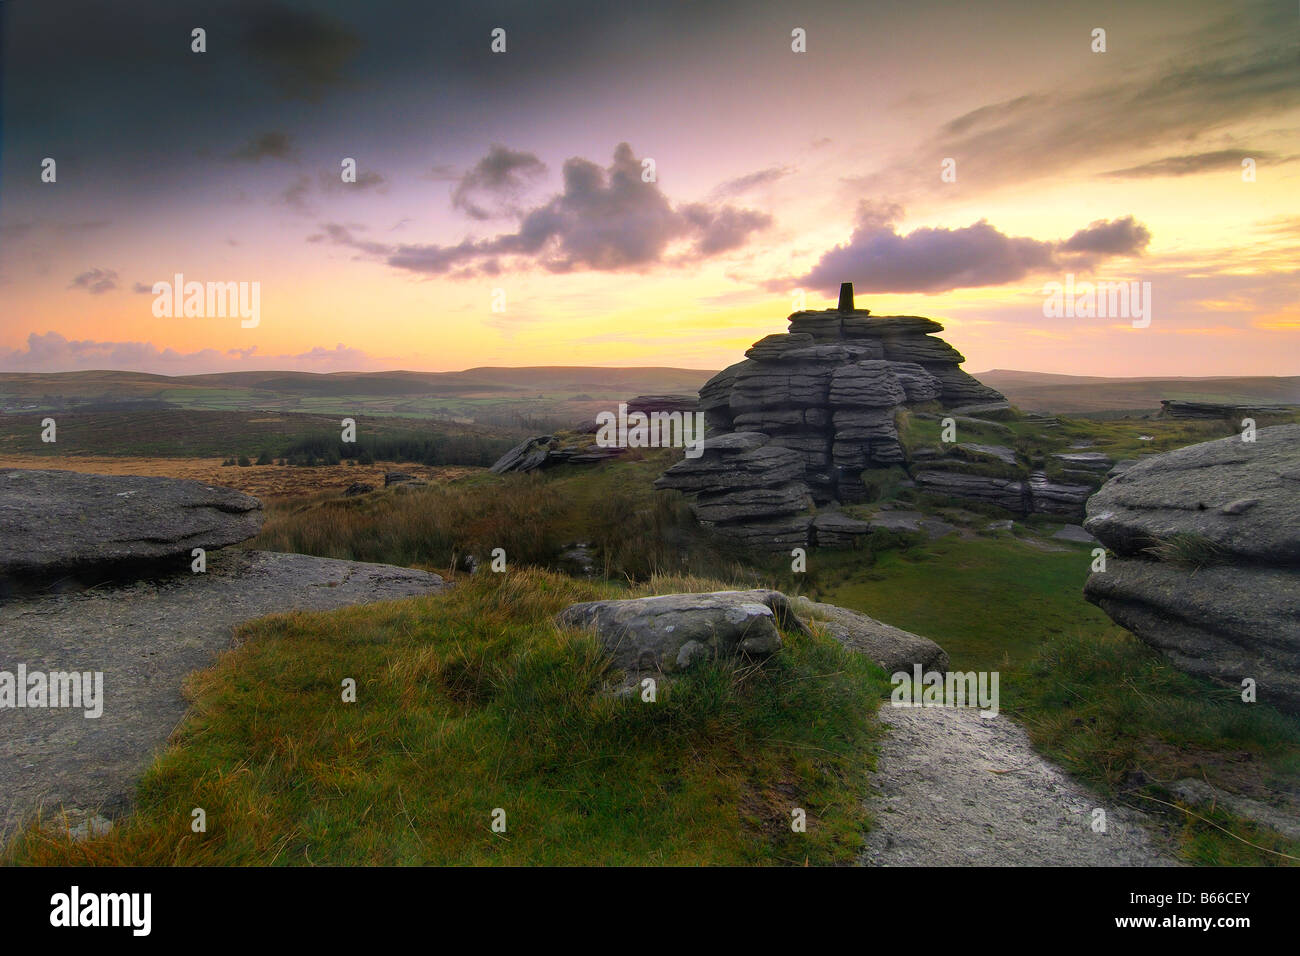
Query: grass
{"x": 1094, "y": 699}
{"x": 987, "y": 600}
{"x": 1187, "y": 550}
{"x": 184, "y": 433}
{"x": 636, "y": 532}
{"x": 475, "y": 701}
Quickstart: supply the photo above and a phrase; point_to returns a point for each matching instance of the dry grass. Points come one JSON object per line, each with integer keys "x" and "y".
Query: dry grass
{"x": 474, "y": 701}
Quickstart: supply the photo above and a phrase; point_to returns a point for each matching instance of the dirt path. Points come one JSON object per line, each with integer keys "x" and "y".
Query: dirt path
{"x": 953, "y": 788}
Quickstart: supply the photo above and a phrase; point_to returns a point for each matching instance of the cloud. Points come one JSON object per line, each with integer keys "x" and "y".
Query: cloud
{"x": 442, "y": 173}
{"x": 743, "y": 184}
{"x": 270, "y": 145}
{"x": 142, "y": 288}
{"x": 295, "y": 194}
{"x": 604, "y": 220}
{"x": 1118, "y": 237}
{"x": 95, "y": 281}
{"x": 1220, "y": 160}
{"x": 503, "y": 174}
{"x": 366, "y": 179}
{"x": 52, "y": 352}
{"x": 1237, "y": 70}
{"x": 306, "y": 52}
{"x": 298, "y": 194}
{"x": 878, "y": 259}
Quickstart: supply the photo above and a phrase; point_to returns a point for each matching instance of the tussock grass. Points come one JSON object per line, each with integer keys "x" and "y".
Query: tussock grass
{"x": 1187, "y": 550}
{"x": 472, "y": 701}
{"x": 635, "y": 531}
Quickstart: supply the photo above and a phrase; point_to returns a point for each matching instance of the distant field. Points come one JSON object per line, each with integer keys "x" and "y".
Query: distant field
{"x": 260, "y": 481}
{"x": 1077, "y": 394}
{"x": 184, "y": 433}
{"x": 544, "y": 398}
{"x": 536, "y": 399}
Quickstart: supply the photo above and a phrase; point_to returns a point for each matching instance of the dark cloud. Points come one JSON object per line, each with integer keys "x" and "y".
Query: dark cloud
{"x": 342, "y": 235}
{"x": 305, "y": 51}
{"x": 95, "y": 281}
{"x": 332, "y": 182}
{"x": 142, "y": 288}
{"x": 1224, "y": 160}
{"x": 270, "y": 145}
{"x": 298, "y": 195}
{"x": 503, "y": 174}
{"x": 743, "y": 184}
{"x": 722, "y": 229}
{"x": 606, "y": 219}
{"x": 878, "y": 259}
{"x": 1234, "y": 71}
{"x": 1117, "y": 237}
{"x": 442, "y": 173}
{"x": 295, "y": 194}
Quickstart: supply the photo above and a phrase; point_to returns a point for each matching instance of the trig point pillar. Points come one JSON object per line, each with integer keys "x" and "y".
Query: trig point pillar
{"x": 846, "y": 297}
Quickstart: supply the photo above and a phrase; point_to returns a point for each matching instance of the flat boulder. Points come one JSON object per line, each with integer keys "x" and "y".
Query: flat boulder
{"x": 66, "y": 522}
{"x": 1243, "y": 498}
{"x": 1206, "y": 564}
{"x": 890, "y": 647}
{"x": 671, "y": 632}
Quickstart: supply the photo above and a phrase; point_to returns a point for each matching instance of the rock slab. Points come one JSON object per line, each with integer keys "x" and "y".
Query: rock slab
{"x": 66, "y": 522}
{"x": 1207, "y": 559}
{"x": 892, "y": 648}
{"x": 145, "y": 637}
{"x": 957, "y": 789}
{"x": 671, "y": 632}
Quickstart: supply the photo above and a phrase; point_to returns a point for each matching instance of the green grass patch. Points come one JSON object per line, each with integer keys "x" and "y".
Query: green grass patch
{"x": 1094, "y": 699}
{"x": 474, "y": 701}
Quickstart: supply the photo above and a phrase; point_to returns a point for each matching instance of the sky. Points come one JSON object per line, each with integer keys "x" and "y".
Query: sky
{"x": 641, "y": 184}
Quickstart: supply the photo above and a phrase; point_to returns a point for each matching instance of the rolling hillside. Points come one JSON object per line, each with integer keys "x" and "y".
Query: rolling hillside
{"x": 1080, "y": 394}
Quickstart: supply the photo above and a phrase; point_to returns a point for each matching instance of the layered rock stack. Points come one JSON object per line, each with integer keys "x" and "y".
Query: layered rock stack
{"x": 798, "y": 421}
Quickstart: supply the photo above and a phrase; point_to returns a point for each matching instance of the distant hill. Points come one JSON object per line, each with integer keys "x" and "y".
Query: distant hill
{"x": 1081, "y": 394}
{"x": 534, "y": 398}
{"x": 553, "y": 396}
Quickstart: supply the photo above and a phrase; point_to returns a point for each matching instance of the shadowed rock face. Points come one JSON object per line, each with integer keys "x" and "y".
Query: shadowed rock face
{"x": 59, "y": 522}
{"x": 1207, "y": 565}
{"x": 812, "y": 409}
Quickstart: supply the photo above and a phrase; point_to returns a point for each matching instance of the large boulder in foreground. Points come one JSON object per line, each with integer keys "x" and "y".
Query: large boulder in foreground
{"x": 1208, "y": 566}
{"x": 671, "y": 632}
{"x": 1224, "y": 623}
{"x": 1243, "y": 497}
{"x": 59, "y": 522}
